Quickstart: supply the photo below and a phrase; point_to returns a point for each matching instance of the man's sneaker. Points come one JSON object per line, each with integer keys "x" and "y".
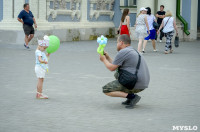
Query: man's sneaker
{"x": 26, "y": 46}
{"x": 133, "y": 102}
{"x": 41, "y": 96}
{"x": 127, "y": 102}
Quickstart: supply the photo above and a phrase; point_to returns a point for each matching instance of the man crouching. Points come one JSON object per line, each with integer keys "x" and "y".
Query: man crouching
{"x": 128, "y": 63}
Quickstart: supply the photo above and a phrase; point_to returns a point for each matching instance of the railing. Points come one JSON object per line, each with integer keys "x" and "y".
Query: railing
{"x": 178, "y": 8}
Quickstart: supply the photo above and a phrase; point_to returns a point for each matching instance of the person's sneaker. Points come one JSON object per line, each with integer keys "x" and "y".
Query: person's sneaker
{"x": 133, "y": 102}
{"x": 143, "y": 51}
{"x": 155, "y": 50}
{"x": 26, "y": 46}
{"x": 41, "y": 96}
{"x": 127, "y": 102}
{"x": 160, "y": 41}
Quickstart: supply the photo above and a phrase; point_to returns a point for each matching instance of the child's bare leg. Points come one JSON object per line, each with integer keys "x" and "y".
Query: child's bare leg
{"x": 40, "y": 85}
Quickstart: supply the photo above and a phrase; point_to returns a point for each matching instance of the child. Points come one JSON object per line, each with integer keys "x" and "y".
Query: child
{"x": 41, "y": 65}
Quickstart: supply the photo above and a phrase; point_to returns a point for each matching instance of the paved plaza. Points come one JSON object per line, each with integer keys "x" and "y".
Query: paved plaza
{"x": 74, "y": 86}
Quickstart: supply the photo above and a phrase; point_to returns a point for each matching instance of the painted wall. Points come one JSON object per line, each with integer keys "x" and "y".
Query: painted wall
{"x": 26, "y": 1}
{"x": 101, "y": 17}
{"x": 186, "y": 11}
{"x": 62, "y": 18}
{"x": 1, "y": 10}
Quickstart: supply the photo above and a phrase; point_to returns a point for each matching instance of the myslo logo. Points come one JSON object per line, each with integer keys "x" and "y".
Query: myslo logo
{"x": 184, "y": 128}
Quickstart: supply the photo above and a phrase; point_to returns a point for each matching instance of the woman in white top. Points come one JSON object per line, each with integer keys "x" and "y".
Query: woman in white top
{"x": 150, "y": 18}
{"x": 141, "y": 27}
{"x": 124, "y": 26}
{"x": 169, "y": 25}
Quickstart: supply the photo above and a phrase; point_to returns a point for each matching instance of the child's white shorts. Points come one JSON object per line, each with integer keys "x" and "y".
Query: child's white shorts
{"x": 40, "y": 72}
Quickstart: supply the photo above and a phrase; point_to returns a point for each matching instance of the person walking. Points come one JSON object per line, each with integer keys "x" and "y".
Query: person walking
{"x": 129, "y": 61}
{"x": 141, "y": 27}
{"x": 168, "y": 25}
{"x": 124, "y": 27}
{"x": 150, "y": 18}
{"x": 160, "y": 15}
{"x": 27, "y": 19}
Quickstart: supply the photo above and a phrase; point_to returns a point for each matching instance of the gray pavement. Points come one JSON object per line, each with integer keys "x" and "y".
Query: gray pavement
{"x": 74, "y": 86}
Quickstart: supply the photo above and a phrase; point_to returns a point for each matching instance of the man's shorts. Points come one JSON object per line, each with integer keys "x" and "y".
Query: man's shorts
{"x": 152, "y": 35}
{"x": 116, "y": 86}
{"x": 28, "y": 29}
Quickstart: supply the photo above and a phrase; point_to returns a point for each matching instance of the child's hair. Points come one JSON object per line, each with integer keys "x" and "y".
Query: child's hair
{"x": 125, "y": 13}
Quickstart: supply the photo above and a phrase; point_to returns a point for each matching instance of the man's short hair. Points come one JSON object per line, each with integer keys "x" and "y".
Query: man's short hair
{"x": 125, "y": 38}
{"x": 162, "y": 6}
{"x": 26, "y": 5}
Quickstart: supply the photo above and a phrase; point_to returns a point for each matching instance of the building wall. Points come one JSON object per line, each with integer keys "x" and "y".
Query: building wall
{"x": 62, "y": 18}
{"x": 101, "y": 18}
{"x": 198, "y": 13}
{"x": 1, "y": 10}
{"x": 186, "y": 11}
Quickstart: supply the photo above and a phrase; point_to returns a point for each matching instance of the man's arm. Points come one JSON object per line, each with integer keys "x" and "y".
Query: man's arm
{"x": 108, "y": 57}
{"x": 108, "y": 65}
{"x": 157, "y": 15}
{"x": 20, "y": 20}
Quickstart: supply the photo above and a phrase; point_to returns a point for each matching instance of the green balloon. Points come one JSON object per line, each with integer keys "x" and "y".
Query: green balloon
{"x": 54, "y": 44}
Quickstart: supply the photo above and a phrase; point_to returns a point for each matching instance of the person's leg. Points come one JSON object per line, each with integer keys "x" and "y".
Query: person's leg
{"x": 26, "y": 39}
{"x": 154, "y": 44}
{"x": 117, "y": 94}
{"x": 170, "y": 44}
{"x": 167, "y": 43}
{"x": 144, "y": 45}
{"x": 40, "y": 85}
{"x": 30, "y": 37}
{"x": 140, "y": 44}
{"x": 115, "y": 89}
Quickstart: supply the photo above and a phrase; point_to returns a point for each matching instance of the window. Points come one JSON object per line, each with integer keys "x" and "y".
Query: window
{"x": 129, "y": 3}
{"x": 132, "y": 2}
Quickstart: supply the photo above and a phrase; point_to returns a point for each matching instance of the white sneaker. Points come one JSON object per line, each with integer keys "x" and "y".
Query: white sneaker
{"x": 160, "y": 41}
{"x": 155, "y": 50}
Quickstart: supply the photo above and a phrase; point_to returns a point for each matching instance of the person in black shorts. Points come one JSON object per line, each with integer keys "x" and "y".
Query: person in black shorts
{"x": 27, "y": 19}
{"x": 160, "y": 15}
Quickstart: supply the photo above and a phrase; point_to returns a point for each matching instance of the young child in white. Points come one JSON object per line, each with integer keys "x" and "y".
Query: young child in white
{"x": 41, "y": 65}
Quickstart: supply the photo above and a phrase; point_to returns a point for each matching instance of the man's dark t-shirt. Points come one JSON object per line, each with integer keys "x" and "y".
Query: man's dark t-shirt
{"x": 26, "y": 17}
{"x": 159, "y": 21}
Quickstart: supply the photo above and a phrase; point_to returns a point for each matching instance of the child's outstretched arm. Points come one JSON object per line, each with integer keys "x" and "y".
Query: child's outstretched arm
{"x": 41, "y": 61}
